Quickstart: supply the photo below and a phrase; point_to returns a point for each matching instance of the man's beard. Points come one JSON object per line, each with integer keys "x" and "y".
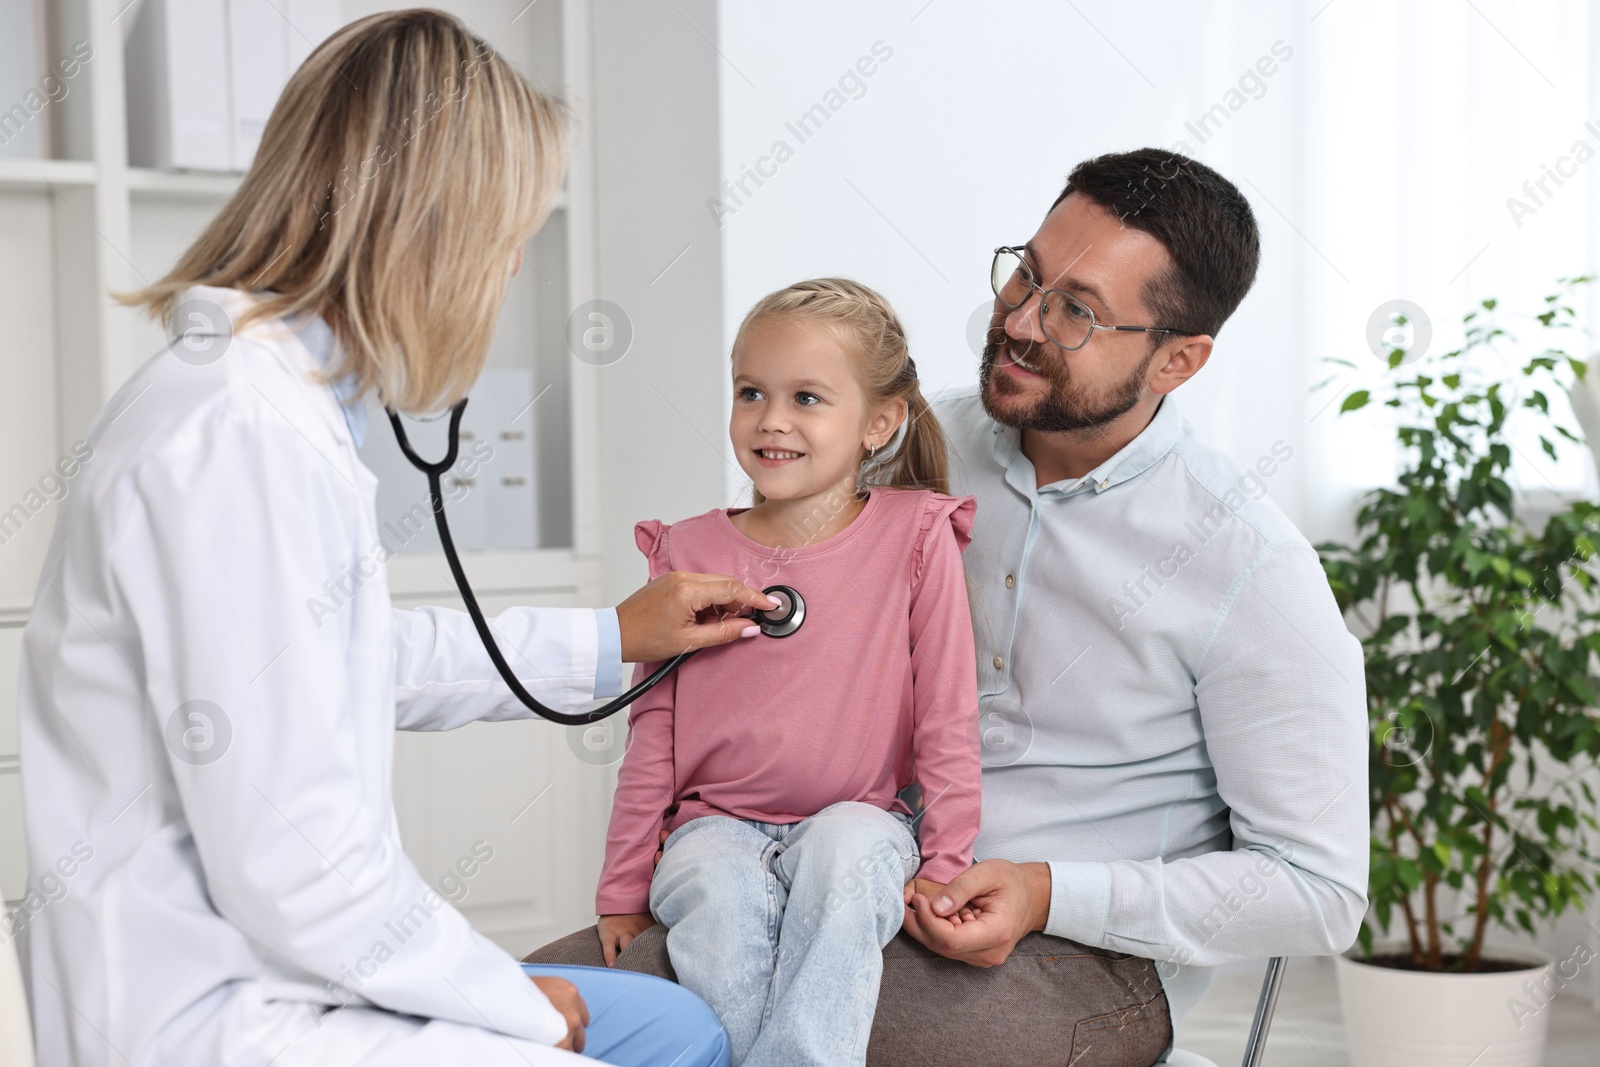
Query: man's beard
{"x": 1068, "y": 408}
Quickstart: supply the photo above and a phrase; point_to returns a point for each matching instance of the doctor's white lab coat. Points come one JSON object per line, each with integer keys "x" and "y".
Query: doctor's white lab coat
{"x": 223, "y": 754}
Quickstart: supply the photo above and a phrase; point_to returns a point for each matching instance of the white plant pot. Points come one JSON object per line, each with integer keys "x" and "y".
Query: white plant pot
{"x": 1395, "y": 1018}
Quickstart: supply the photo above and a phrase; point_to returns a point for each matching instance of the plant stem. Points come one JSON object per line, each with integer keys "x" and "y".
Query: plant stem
{"x": 1411, "y": 930}
{"x": 1398, "y": 820}
{"x": 1430, "y": 900}
{"x": 1500, "y": 737}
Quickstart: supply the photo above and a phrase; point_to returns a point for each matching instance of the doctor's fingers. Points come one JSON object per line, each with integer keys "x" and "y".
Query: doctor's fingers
{"x": 565, "y": 998}
{"x": 662, "y": 619}
{"x": 718, "y": 591}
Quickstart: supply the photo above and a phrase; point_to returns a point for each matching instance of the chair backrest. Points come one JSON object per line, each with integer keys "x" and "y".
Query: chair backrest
{"x": 16, "y": 1032}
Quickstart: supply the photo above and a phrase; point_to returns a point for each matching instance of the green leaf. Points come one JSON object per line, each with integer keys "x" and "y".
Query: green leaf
{"x": 1355, "y": 401}
{"x": 1409, "y": 873}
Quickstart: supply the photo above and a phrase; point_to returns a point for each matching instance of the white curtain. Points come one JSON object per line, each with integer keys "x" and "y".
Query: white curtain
{"x": 1452, "y": 153}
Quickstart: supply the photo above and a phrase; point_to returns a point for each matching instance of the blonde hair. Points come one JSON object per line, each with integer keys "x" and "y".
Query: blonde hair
{"x": 403, "y": 166}
{"x": 872, "y": 334}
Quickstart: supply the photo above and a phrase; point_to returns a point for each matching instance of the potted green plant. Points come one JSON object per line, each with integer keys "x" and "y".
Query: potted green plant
{"x": 1480, "y": 641}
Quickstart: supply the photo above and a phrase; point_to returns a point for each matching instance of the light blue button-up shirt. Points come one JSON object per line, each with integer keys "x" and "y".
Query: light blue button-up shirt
{"x": 1172, "y": 711}
{"x": 318, "y": 338}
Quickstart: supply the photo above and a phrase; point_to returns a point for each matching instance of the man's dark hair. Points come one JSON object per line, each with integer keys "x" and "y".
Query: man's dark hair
{"x": 1201, "y": 218}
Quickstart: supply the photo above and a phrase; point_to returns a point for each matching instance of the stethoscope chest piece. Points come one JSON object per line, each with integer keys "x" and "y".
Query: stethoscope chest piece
{"x": 786, "y": 618}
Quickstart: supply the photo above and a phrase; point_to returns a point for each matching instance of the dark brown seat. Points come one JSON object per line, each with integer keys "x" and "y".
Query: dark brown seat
{"x": 933, "y": 1011}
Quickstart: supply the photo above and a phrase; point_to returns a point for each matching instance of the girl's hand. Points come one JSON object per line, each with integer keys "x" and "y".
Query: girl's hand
{"x": 661, "y": 844}
{"x": 618, "y": 931}
{"x": 930, "y": 891}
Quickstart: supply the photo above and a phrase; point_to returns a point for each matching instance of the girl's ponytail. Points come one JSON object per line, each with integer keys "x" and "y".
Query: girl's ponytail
{"x": 920, "y": 461}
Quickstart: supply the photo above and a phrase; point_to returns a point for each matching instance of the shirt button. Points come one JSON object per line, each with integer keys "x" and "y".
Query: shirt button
{"x": 1011, "y": 581}
{"x": 998, "y": 663}
{"x": 1105, "y": 483}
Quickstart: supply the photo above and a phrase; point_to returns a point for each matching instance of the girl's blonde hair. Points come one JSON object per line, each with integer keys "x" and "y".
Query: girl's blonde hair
{"x": 404, "y": 165}
{"x": 873, "y": 335}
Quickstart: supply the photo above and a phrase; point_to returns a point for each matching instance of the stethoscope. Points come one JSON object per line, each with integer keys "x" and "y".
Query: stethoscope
{"x": 780, "y": 621}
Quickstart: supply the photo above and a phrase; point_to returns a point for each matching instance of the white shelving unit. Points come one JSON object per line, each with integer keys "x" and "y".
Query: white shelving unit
{"x": 84, "y": 223}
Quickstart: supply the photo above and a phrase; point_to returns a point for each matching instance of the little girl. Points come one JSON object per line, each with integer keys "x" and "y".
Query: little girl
{"x": 777, "y": 761}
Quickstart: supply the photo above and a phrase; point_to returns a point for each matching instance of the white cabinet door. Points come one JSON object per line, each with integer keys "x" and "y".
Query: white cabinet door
{"x": 532, "y": 796}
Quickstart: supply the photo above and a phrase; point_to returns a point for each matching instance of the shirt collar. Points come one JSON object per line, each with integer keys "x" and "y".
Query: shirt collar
{"x": 1133, "y": 459}
{"x": 317, "y": 336}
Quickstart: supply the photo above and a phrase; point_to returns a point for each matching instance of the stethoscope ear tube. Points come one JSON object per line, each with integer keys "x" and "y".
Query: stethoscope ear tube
{"x": 435, "y": 471}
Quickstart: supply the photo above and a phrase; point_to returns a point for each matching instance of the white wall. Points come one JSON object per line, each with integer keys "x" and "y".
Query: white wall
{"x": 1378, "y": 157}
{"x": 963, "y": 138}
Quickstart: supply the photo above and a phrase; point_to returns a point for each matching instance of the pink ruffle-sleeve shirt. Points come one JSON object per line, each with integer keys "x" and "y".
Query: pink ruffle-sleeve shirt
{"x": 876, "y": 689}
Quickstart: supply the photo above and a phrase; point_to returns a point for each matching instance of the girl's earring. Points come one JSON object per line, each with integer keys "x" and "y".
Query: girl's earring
{"x": 872, "y": 450}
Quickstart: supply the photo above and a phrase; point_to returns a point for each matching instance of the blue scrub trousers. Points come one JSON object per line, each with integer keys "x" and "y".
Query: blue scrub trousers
{"x": 638, "y": 1020}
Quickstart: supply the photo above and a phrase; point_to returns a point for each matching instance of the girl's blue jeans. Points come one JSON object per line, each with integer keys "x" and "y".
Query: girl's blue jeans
{"x": 780, "y": 927}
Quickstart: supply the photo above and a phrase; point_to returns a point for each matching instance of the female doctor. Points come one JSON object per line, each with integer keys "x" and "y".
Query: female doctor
{"x": 213, "y": 758}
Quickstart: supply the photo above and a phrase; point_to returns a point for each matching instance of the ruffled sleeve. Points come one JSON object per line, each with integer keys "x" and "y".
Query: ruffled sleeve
{"x": 940, "y": 511}
{"x": 651, "y": 537}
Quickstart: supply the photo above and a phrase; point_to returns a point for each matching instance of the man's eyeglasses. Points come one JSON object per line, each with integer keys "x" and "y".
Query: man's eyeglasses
{"x": 1066, "y": 320}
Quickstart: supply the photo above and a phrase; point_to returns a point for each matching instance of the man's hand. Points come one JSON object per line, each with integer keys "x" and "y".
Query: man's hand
{"x": 618, "y": 931}
{"x": 563, "y": 996}
{"x": 679, "y": 611}
{"x": 1010, "y": 901}
{"x": 931, "y": 891}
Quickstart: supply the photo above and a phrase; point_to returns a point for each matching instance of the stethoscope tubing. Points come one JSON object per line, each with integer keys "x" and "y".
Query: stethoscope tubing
{"x": 435, "y": 471}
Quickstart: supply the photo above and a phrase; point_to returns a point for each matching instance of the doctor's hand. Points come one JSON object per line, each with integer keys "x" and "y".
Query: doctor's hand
{"x": 618, "y": 931}
{"x": 563, "y": 996}
{"x": 1007, "y": 900}
{"x": 681, "y": 610}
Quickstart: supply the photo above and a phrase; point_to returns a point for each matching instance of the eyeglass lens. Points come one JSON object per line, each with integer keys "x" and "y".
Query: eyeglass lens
{"x": 1066, "y": 320}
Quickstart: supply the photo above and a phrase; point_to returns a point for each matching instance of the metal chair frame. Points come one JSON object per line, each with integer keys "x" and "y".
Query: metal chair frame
{"x": 1255, "y": 1047}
